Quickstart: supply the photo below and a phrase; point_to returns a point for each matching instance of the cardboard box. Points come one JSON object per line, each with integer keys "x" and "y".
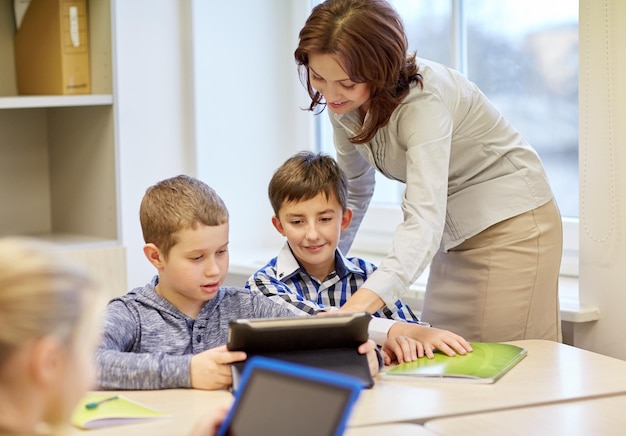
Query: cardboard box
{"x": 52, "y": 49}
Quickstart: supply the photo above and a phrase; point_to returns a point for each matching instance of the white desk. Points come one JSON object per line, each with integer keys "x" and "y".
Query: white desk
{"x": 551, "y": 372}
{"x": 187, "y": 406}
{"x": 604, "y": 416}
{"x": 389, "y": 430}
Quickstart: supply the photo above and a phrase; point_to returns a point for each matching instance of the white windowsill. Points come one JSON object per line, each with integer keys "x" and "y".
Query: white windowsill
{"x": 571, "y": 309}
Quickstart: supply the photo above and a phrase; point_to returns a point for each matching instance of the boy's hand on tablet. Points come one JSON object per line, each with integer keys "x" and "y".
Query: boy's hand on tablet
{"x": 209, "y": 425}
{"x": 369, "y": 348}
{"x": 211, "y": 368}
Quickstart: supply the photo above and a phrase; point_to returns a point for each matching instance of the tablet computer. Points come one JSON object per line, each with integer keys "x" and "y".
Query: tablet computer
{"x": 327, "y": 342}
{"x": 282, "y": 398}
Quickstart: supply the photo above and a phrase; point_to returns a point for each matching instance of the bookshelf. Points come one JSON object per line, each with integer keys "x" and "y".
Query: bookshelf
{"x": 58, "y": 158}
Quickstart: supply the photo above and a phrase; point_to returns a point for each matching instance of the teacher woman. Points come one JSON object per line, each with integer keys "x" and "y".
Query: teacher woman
{"x": 477, "y": 204}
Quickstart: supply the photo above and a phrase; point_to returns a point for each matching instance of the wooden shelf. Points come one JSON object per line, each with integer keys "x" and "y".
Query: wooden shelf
{"x": 70, "y": 240}
{"x": 51, "y": 101}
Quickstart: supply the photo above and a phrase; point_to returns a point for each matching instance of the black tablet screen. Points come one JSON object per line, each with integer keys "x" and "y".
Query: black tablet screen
{"x": 278, "y": 404}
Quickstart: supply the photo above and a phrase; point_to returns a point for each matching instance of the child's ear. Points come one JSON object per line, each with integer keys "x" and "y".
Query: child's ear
{"x": 346, "y": 219}
{"x": 153, "y": 254}
{"x": 46, "y": 360}
{"x": 277, "y": 225}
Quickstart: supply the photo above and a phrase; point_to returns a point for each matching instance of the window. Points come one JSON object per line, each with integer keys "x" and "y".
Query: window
{"x": 523, "y": 55}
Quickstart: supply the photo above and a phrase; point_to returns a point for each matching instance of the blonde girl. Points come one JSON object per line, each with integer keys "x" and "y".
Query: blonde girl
{"x": 49, "y": 328}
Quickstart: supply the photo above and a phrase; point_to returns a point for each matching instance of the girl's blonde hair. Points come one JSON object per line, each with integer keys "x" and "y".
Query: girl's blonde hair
{"x": 41, "y": 294}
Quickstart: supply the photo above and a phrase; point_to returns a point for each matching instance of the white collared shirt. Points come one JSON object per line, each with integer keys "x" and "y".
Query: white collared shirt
{"x": 464, "y": 166}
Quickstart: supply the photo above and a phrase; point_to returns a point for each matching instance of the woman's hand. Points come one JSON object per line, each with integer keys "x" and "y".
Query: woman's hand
{"x": 363, "y": 300}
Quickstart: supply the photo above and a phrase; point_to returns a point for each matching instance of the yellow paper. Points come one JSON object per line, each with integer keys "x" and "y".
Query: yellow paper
{"x": 115, "y": 412}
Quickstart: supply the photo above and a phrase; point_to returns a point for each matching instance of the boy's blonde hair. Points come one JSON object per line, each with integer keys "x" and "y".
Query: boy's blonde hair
{"x": 41, "y": 294}
{"x": 304, "y": 176}
{"x": 175, "y": 204}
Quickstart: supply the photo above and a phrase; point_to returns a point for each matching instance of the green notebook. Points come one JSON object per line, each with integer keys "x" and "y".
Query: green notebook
{"x": 487, "y": 363}
{"x": 97, "y": 410}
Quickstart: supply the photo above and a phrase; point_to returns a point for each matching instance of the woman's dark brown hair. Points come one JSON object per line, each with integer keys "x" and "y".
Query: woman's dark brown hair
{"x": 368, "y": 36}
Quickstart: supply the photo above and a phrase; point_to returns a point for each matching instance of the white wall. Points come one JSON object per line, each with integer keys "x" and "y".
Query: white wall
{"x": 247, "y": 109}
{"x": 602, "y": 165}
{"x": 230, "y": 121}
{"x": 154, "y": 110}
